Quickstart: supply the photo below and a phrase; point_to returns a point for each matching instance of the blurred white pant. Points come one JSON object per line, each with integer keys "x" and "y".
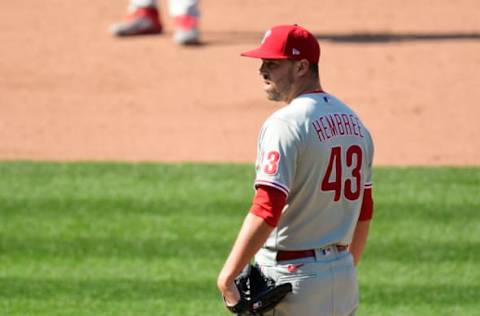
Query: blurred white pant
{"x": 175, "y": 7}
{"x": 322, "y": 286}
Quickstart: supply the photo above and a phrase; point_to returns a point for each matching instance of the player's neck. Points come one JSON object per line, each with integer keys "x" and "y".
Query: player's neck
{"x": 305, "y": 87}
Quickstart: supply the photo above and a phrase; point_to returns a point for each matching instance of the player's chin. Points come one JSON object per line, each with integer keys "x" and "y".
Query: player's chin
{"x": 271, "y": 91}
{"x": 273, "y": 96}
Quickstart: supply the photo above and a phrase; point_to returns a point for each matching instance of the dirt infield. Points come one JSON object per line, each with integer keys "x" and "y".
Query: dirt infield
{"x": 70, "y": 91}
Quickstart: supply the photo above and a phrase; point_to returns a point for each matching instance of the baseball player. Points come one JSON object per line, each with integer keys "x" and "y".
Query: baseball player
{"x": 310, "y": 216}
{"x": 144, "y": 18}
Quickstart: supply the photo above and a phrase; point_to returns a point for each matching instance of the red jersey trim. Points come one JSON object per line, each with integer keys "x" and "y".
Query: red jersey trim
{"x": 314, "y": 91}
{"x": 268, "y": 204}
{"x": 276, "y": 185}
{"x": 366, "y": 213}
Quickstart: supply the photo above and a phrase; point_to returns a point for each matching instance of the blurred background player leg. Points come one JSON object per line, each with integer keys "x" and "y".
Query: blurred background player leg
{"x": 186, "y": 17}
{"x": 142, "y": 18}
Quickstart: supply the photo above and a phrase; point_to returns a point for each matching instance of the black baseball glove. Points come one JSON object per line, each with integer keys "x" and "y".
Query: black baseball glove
{"x": 258, "y": 293}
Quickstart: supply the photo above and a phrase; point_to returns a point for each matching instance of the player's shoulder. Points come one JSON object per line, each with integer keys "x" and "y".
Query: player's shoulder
{"x": 307, "y": 106}
{"x": 296, "y": 111}
{"x": 284, "y": 121}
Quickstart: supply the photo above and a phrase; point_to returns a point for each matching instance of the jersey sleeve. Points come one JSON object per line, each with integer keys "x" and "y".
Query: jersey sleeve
{"x": 366, "y": 212}
{"x": 268, "y": 204}
{"x": 278, "y": 149}
{"x": 369, "y": 161}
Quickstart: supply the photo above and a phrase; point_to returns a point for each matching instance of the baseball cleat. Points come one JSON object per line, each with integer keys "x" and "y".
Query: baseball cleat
{"x": 186, "y": 30}
{"x": 140, "y": 21}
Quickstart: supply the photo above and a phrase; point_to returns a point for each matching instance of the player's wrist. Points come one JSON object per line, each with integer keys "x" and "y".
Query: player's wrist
{"x": 225, "y": 281}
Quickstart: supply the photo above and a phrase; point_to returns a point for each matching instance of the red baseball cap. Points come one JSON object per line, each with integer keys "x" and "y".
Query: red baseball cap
{"x": 287, "y": 42}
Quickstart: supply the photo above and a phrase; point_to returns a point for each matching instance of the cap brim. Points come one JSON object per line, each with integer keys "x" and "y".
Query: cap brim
{"x": 259, "y": 53}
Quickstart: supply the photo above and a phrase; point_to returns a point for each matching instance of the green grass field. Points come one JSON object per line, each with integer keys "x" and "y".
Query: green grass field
{"x": 149, "y": 239}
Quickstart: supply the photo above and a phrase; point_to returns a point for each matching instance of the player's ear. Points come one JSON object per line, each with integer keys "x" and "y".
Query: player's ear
{"x": 302, "y": 67}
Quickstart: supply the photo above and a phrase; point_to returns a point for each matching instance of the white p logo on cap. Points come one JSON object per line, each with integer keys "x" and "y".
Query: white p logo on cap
{"x": 267, "y": 34}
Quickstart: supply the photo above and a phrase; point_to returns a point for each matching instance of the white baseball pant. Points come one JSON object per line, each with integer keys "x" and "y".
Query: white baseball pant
{"x": 175, "y": 7}
{"x": 322, "y": 286}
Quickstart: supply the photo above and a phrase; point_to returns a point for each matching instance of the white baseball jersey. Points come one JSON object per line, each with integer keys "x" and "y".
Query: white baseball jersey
{"x": 317, "y": 151}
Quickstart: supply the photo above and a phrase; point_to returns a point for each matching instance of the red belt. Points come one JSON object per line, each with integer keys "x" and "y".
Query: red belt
{"x": 283, "y": 255}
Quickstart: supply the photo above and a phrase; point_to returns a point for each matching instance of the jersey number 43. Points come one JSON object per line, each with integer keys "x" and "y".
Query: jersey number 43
{"x": 333, "y": 181}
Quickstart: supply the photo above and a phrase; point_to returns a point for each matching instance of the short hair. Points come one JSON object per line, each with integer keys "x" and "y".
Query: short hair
{"x": 314, "y": 70}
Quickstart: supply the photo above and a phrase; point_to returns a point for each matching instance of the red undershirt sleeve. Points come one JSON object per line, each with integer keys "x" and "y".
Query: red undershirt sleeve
{"x": 268, "y": 204}
{"x": 366, "y": 213}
